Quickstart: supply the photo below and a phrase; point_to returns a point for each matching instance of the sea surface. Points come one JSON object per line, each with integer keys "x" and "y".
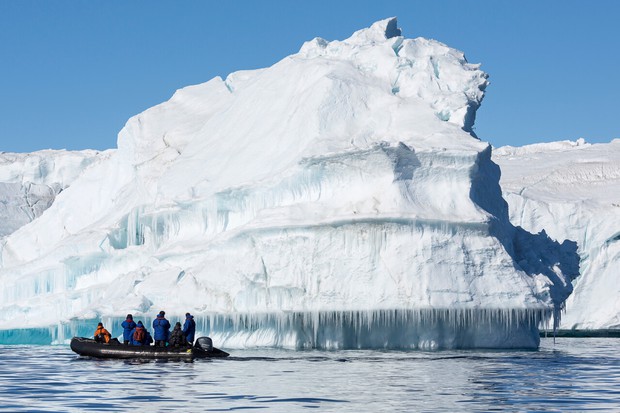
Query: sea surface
{"x": 574, "y": 374}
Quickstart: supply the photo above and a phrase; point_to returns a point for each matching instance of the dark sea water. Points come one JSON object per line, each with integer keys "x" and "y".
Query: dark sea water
{"x": 575, "y": 374}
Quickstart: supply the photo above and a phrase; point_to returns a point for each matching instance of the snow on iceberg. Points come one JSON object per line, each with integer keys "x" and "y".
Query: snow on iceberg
{"x": 337, "y": 199}
{"x": 571, "y": 191}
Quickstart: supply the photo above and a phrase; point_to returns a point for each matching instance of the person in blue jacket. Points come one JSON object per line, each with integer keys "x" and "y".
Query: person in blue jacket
{"x": 140, "y": 336}
{"x": 189, "y": 328}
{"x": 161, "y": 329}
{"x": 128, "y": 325}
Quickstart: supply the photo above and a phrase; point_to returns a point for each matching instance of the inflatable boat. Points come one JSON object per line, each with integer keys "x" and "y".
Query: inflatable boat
{"x": 91, "y": 348}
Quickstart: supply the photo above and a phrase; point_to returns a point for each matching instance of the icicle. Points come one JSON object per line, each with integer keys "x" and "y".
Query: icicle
{"x": 395, "y": 328}
{"x": 389, "y": 328}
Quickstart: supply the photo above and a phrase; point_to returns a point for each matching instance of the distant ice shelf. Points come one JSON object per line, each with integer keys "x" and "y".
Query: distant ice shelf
{"x": 571, "y": 190}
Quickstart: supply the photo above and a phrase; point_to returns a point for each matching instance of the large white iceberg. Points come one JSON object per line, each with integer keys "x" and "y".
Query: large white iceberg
{"x": 335, "y": 199}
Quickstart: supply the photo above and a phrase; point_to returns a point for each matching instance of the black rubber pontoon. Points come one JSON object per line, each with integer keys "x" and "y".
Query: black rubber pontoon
{"x": 89, "y": 347}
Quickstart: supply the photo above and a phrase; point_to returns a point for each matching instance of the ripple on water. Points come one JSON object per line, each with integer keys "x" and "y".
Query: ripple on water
{"x": 575, "y": 374}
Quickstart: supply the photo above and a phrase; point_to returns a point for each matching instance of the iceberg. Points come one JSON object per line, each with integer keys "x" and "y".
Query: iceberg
{"x": 29, "y": 183}
{"x": 337, "y": 199}
{"x": 570, "y": 190}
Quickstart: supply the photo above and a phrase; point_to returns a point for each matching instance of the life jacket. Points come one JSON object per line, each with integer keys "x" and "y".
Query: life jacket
{"x": 103, "y": 334}
{"x": 139, "y": 334}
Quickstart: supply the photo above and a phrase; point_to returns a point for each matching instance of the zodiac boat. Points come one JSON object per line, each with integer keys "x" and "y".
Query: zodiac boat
{"x": 203, "y": 348}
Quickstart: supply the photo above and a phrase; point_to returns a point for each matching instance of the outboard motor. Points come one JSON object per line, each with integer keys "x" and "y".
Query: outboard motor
{"x": 204, "y": 348}
{"x": 204, "y": 344}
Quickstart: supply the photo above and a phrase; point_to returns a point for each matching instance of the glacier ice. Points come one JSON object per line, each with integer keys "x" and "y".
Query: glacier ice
{"x": 29, "y": 183}
{"x": 337, "y": 199}
{"x": 570, "y": 190}
{"x": 421, "y": 329}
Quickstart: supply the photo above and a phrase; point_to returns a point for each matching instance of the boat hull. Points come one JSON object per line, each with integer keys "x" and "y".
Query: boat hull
{"x": 90, "y": 348}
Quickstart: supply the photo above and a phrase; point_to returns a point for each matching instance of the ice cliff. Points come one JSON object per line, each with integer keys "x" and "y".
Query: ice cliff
{"x": 335, "y": 199}
{"x": 571, "y": 191}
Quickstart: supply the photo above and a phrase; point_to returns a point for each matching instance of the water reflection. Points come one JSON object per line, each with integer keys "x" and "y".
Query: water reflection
{"x": 573, "y": 375}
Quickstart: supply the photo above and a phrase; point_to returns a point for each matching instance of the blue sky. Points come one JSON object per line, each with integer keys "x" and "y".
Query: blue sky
{"x": 73, "y": 72}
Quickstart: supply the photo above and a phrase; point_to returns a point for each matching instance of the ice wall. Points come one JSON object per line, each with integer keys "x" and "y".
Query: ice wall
{"x": 422, "y": 329}
{"x": 570, "y": 190}
{"x": 335, "y": 199}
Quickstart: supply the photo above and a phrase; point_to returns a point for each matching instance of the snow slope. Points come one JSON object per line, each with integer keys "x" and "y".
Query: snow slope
{"x": 571, "y": 190}
{"x": 335, "y": 199}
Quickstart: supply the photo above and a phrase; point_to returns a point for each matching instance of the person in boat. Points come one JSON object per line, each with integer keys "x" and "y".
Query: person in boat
{"x": 128, "y": 325}
{"x": 161, "y": 329}
{"x": 140, "y": 336}
{"x": 189, "y": 328}
{"x": 149, "y": 338}
{"x": 101, "y": 334}
{"x": 177, "y": 338}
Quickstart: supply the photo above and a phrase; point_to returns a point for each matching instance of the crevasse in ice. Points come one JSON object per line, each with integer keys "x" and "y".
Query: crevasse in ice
{"x": 337, "y": 199}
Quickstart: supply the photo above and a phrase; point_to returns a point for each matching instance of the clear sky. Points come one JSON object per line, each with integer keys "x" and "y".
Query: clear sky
{"x": 73, "y": 72}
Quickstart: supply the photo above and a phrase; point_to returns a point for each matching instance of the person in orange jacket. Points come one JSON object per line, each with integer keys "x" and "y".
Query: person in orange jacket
{"x": 101, "y": 334}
